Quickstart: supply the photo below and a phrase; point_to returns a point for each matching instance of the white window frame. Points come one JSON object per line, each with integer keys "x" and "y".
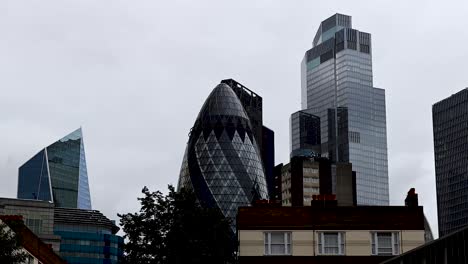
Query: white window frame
{"x": 396, "y": 243}
{"x": 321, "y": 242}
{"x": 287, "y": 237}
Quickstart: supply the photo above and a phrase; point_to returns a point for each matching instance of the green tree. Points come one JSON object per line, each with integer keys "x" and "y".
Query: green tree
{"x": 174, "y": 228}
{"x": 10, "y": 246}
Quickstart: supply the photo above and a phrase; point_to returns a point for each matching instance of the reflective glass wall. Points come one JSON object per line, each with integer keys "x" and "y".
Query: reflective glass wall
{"x": 33, "y": 179}
{"x": 337, "y": 74}
{"x": 304, "y": 134}
{"x": 57, "y": 173}
{"x": 450, "y": 126}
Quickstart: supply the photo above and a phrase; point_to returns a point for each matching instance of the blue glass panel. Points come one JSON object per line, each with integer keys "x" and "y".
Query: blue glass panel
{"x": 33, "y": 180}
{"x": 90, "y": 247}
{"x": 84, "y": 197}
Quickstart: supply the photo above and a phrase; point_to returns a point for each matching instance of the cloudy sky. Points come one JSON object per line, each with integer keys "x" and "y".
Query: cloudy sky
{"x": 134, "y": 74}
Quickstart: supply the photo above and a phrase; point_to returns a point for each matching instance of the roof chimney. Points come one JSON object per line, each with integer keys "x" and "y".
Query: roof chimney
{"x": 412, "y": 198}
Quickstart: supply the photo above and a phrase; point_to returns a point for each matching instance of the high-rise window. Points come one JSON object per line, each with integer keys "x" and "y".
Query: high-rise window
{"x": 311, "y": 180}
{"x": 331, "y": 243}
{"x": 310, "y": 170}
{"x": 277, "y": 243}
{"x": 312, "y": 190}
{"x": 385, "y": 243}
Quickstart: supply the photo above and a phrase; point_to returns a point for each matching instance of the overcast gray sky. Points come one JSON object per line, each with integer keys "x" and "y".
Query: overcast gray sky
{"x": 134, "y": 75}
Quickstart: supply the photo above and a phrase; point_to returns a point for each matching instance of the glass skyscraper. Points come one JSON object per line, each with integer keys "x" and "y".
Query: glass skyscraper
{"x": 222, "y": 162}
{"x": 57, "y": 173}
{"x": 305, "y": 134}
{"x": 336, "y": 80}
{"x": 450, "y": 127}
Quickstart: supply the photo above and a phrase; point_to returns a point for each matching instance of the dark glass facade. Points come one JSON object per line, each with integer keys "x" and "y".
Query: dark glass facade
{"x": 268, "y": 156}
{"x": 336, "y": 73}
{"x": 222, "y": 162}
{"x": 448, "y": 249}
{"x": 305, "y": 134}
{"x": 450, "y": 127}
{"x": 33, "y": 181}
{"x": 57, "y": 173}
{"x": 338, "y": 134}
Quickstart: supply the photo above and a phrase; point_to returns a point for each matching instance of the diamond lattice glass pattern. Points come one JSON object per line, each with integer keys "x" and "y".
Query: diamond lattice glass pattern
{"x": 222, "y": 163}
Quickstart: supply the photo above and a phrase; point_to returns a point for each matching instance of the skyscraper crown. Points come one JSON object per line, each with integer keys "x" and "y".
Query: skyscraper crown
{"x": 329, "y": 26}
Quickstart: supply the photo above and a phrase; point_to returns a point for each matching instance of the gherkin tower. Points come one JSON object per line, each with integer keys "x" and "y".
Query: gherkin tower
{"x": 222, "y": 162}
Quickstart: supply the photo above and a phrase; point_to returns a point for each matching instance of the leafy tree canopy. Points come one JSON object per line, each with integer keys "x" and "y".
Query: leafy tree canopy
{"x": 10, "y": 246}
{"x": 174, "y": 228}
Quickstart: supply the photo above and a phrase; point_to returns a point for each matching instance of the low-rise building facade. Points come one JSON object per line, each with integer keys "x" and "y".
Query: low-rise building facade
{"x": 38, "y": 216}
{"x": 37, "y": 251}
{"x": 79, "y": 236}
{"x": 87, "y": 237}
{"x": 363, "y": 234}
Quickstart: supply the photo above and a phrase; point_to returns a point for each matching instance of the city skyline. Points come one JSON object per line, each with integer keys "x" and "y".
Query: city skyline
{"x": 113, "y": 68}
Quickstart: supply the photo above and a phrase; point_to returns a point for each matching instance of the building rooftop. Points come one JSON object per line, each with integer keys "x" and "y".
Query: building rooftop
{"x": 331, "y": 24}
{"x": 451, "y": 97}
{"x": 83, "y": 217}
{"x": 331, "y": 218}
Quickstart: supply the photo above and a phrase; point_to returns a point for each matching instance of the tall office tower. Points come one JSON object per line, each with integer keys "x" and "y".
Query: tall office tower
{"x": 336, "y": 80}
{"x": 222, "y": 162}
{"x": 265, "y": 137}
{"x": 57, "y": 173}
{"x": 450, "y": 126}
{"x": 305, "y": 134}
